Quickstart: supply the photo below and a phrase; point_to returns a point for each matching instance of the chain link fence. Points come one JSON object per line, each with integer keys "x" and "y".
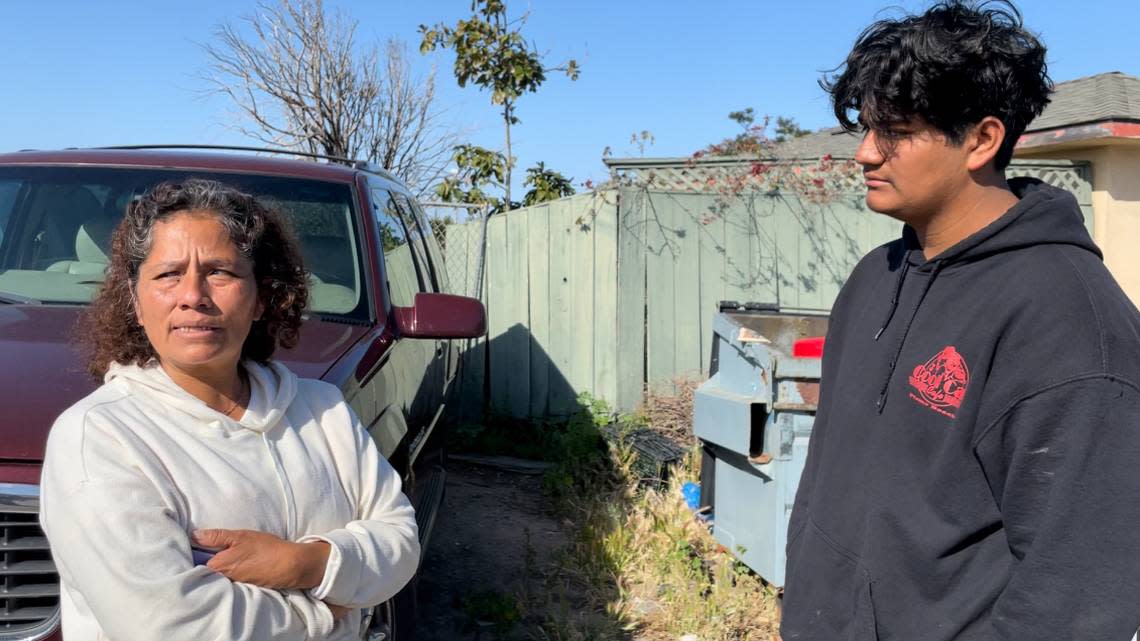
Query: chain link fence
{"x": 461, "y": 230}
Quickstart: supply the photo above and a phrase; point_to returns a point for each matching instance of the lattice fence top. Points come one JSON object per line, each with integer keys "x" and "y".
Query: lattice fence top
{"x": 695, "y": 176}
{"x": 808, "y": 176}
{"x": 1075, "y": 177}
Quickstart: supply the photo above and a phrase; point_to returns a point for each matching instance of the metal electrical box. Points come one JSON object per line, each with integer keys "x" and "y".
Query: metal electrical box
{"x": 753, "y": 418}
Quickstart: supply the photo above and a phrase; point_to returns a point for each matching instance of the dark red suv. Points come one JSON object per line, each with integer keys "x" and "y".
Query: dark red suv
{"x": 380, "y": 325}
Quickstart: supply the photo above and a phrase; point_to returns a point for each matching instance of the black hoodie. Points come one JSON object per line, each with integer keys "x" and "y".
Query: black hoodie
{"x": 972, "y": 472}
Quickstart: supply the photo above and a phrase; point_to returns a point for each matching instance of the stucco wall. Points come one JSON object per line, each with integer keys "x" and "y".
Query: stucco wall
{"x": 1116, "y": 206}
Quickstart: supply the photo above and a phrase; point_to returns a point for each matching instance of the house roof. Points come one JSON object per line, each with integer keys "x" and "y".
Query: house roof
{"x": 826, "y": 142}
{"x": 1106, "y": 97}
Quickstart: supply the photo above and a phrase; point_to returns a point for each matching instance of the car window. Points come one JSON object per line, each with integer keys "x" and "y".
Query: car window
{"x": 400, "y": 263}
{"x": 433, "y": 242}
{"x": 324, "y": 229}
{"x": 415, "y": 233}
{"x": 58, "y": 221}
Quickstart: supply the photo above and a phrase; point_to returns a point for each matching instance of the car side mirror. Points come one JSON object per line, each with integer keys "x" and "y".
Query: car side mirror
{"x": 441, "y": 316}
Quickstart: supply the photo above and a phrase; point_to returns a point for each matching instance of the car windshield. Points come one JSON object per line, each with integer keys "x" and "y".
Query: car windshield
{"x": 56, "y": 224}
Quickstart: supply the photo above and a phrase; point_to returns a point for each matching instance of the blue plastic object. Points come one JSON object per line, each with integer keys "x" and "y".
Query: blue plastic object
{"x": 692, "y": 493}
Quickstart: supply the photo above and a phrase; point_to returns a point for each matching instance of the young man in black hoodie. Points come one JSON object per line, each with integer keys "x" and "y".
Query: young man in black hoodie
{"x": 973, "y": 471}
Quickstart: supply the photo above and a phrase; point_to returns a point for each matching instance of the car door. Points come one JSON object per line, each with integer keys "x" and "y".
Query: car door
{"x": 439, "y": 269}
{"x": 408, "y": 373}
{"x": 436, "y": 377}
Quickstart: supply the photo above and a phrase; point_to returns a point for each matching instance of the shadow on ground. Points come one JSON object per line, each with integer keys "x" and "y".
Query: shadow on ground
{"x": 504, "y": 562}
{"x": 492, "y": 573}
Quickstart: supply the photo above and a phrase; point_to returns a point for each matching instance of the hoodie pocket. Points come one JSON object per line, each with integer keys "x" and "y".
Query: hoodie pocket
{"x": 828, "y": 592}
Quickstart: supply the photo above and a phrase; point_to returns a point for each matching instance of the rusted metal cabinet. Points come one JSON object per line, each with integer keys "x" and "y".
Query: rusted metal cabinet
{"x": 753, "y": 418}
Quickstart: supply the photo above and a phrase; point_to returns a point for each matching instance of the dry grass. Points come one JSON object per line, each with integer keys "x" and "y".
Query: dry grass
{"x": 676, "y": 564}
{"x": 649, "y": 569}
{"x": 671, "y": 410}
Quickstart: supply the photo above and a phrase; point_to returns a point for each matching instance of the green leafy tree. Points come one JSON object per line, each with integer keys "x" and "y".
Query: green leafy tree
{"x": 745, "y": 117}
{"x": 478, "y": 168}
{"x": 491, "y": 52}
{"x": 788, "y": 128}
{"x": 545, "y": 185}
{"x": 753, "y": 140}
{"x": 480, "y": 172}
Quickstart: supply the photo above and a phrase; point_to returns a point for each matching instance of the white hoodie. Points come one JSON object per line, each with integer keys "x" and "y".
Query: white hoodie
{"x": 139, "y": 464}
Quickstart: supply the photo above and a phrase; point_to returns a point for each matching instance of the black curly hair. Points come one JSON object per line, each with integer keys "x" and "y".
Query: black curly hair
{"x": 951, "y": 66}
{"x": 258, "y": 232}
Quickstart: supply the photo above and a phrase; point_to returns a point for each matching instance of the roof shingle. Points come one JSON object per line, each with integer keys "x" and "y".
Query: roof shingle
{"x": 1106, "y": 96}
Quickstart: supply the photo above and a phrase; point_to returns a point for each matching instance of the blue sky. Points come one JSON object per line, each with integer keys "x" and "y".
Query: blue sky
{"x": 84, "y": 73}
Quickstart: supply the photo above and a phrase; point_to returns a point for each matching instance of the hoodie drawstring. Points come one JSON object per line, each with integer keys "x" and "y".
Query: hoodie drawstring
{"x": 904, "y": 268}
{"x": 882, "y": 401}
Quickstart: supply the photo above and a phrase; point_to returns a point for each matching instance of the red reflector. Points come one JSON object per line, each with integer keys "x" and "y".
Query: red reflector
{"x": 808, "y": 347}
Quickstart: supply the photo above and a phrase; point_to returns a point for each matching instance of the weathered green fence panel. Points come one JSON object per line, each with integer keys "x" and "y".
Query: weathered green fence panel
{"x": 581, "y": 278}
{"x": 660, "y": 292}
{"x": 538, "y": 282}
{"x": 613, "y": 291}
{"x": 686, "y": 328}
{"x": 514, "y": 294}
{"x": 750, "y": 252}
{"x": 631, "y": 287}
{"x": 711, "y": 233}
{"x": 501, "y": 304}
{"x": 604, "y": 212}
{"x": 559, "y": 349}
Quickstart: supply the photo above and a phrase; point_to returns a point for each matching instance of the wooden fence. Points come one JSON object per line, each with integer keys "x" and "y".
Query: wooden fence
{"x": 613, "y": 291}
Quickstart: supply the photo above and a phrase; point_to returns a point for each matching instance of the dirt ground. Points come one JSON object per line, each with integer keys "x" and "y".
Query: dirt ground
{"x": 493, "y": 542}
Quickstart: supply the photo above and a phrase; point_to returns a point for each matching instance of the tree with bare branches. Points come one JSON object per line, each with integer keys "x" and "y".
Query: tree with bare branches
{"x": 296, "y": 77}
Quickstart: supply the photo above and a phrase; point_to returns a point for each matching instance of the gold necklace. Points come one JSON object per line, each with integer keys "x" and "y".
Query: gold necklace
{"x": 237, "y": 401}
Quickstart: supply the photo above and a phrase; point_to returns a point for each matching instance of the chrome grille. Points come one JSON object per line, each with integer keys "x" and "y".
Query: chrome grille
{"x": 29, "y": 585}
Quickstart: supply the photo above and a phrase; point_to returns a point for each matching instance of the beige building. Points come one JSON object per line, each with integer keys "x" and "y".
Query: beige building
{"x": 1097, "y": 120}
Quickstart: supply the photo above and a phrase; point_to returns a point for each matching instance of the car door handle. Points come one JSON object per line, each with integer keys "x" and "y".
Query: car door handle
{"x": 439, "y": 349}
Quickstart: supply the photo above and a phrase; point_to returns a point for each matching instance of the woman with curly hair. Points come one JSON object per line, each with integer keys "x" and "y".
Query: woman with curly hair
{"x": 204, "y": 491}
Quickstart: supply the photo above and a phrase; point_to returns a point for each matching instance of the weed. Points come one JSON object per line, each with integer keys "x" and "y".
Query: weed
{"x": 576, "y": 436}
{"x": 501, "y": 611}
{"x": 636, "y": 558}
{"x": 648, "y": 563}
